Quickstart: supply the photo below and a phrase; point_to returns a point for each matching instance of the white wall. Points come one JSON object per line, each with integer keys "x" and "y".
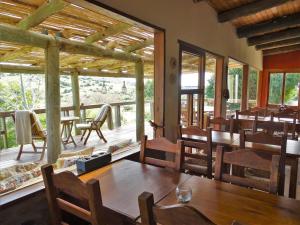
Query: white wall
{"x": 193, "y": 23}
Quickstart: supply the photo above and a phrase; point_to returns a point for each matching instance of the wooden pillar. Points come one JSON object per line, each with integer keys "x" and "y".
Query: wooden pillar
{"x": 225, "y": 86}
{"x": 117, "y": 116}
{"x": 4, "y": 132}
{"x": 219, "y": 84}
{"x": 140, "y": 105}
{"x": 159, "y": 76}
{"x": 244, "y": 98}
{"x": 52, "y": 102}
{"x": 76, "y": 97}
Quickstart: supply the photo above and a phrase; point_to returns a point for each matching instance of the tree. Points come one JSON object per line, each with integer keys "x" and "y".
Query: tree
{"x": 149, "y": 89}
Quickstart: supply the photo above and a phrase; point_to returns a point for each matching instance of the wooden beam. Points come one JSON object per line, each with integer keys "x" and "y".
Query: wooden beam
{"x": 42, "y": 13}
{"x": 159, "y": 81}
{"x": 13, "y": 34}
{"x": 276, "y": 36}
{"x": 248, "y": 9}
{"x": 110, "y": 31}
{"x": 64, "y": 71}
{"x": 16, "y": 53}
{"x": 244, "y": 98}
{"x": 281, "y": 50}
{"x": 140, "y": 101}
{"x": 270, "y": 26}
{"x": 52, "y": 103}
{"x": 278, "y": 44}
{"x": 139, "y": 45}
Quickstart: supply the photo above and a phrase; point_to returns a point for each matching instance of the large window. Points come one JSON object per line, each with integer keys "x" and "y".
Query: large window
{"x": 283, "y": 88}
{"x": 210, "y": 83}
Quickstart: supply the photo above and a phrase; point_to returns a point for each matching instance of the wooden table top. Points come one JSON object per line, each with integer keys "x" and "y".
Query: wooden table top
{"x": 122, "y": 182}
{"x": 222, "y": 203}
{"x": 292, "y": 147}
{"x": 218, "y": 137}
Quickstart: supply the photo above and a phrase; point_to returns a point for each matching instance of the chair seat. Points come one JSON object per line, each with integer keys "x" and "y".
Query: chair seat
{"x": 83, "y": 126}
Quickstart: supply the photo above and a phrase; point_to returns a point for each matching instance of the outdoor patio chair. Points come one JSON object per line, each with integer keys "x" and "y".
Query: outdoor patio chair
{"x": 38, "y": 133}
{"x": 96, "y": 124}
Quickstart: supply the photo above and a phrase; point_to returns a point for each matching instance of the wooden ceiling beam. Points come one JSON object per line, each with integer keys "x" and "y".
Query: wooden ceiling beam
{"x": 139, "y": 45}
{"x": 248, "y": 9}
{"x": 110, "y": 31}
{"x": 278, "y": 44}
{"x": 281, "y": 50}
{"x": 42, "y": 13}
{"x": 270, "y": 26}
{"x": 276, "y": 36}
{"x": 13, "y": 34}
{"x": 63, "y": 71}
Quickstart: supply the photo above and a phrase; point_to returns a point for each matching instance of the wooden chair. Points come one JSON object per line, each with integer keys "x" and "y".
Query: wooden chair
{"x": 95, "y": 124}
{"x": 247, "y": 158}
{"x": 261, "y": 111}
{"x": 262, "y": 138}
{"x": 86, "y": 198}
{"x": 247, "y": 113}
{"x": 154, "y": 152}
{"x": 169, "y": 215}
{"x": 275, "y": 128}
{"x": 221, "y": 124}
{"x": 201, "y": 161}
{"x": 38, "y": 133}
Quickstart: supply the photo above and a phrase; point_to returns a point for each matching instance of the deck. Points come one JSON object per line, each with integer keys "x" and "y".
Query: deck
{"x": 8, "y": 156}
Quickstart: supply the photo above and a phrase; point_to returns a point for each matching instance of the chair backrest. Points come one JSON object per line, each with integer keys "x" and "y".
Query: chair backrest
{"x": 169, "y": 215}
{"x": 36, "y": 126}
{"x": 261, "y": 111}
{"x": 205, "y": 146}
{"x": 221, "y": 124}
{"x": 247, "y": 158}
{"x": 246, "y": 113}
{"x": 191, "y": 130}
{"x": 65, "y": 192}
{"x": 164, "y": 146}
{"x": 269, "y": 127}
{"x": 286, "y": 113}
{"x": 102, "y": 115}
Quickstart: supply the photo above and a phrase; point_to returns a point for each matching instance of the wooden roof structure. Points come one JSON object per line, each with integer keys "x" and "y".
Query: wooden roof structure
{"x": 272, "y": 26}
{"x": 71, "y": 21}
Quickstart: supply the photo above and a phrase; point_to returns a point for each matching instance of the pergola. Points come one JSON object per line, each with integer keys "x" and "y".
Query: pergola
{"x": 59, "y": 37}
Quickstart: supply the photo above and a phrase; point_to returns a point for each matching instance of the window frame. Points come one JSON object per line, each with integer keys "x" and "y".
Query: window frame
{"x": 282, "y": 86}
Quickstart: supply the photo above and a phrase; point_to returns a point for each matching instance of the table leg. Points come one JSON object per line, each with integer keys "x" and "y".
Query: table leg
{"x": 293, "y": 162}
{"x": 70, "y": 136}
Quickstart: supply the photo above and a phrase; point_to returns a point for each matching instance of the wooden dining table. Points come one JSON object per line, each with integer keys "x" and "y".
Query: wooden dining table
{"x": 222, "y": 203}
{"x": 122, "y": 182}
{"x": 218, "y": 138}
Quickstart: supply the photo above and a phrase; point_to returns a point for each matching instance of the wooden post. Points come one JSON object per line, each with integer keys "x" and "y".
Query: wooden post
{"x": 117, "y": 116}
{"x": 52, "y": 102}
{"x": 244, "y": 103}
{"x": 140, "y": 105}
{"x": 76, "y": 97}
{"x": 219, "y": 99}
{"x": 4, "y": 132}
{"x": 159, "y": 80}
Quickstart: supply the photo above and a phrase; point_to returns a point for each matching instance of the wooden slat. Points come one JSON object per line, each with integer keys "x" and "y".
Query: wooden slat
{"x": 281, "y": 50}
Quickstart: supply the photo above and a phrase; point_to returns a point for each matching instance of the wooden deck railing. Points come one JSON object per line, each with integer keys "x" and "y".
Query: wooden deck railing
{"x": 66, "y": 111}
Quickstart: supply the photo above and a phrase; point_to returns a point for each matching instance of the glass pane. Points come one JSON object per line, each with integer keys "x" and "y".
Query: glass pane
{"x": 210, "y": 79}
{"x": 234, "y": 82}
{"x": 252, "y": 88}
{"x": 184, "y": 110}
{"x": 275, "y": 88}
{"x": 291, "y": 88}
{"x": 190, "y": 71}
{"x": 189, "y": 109}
